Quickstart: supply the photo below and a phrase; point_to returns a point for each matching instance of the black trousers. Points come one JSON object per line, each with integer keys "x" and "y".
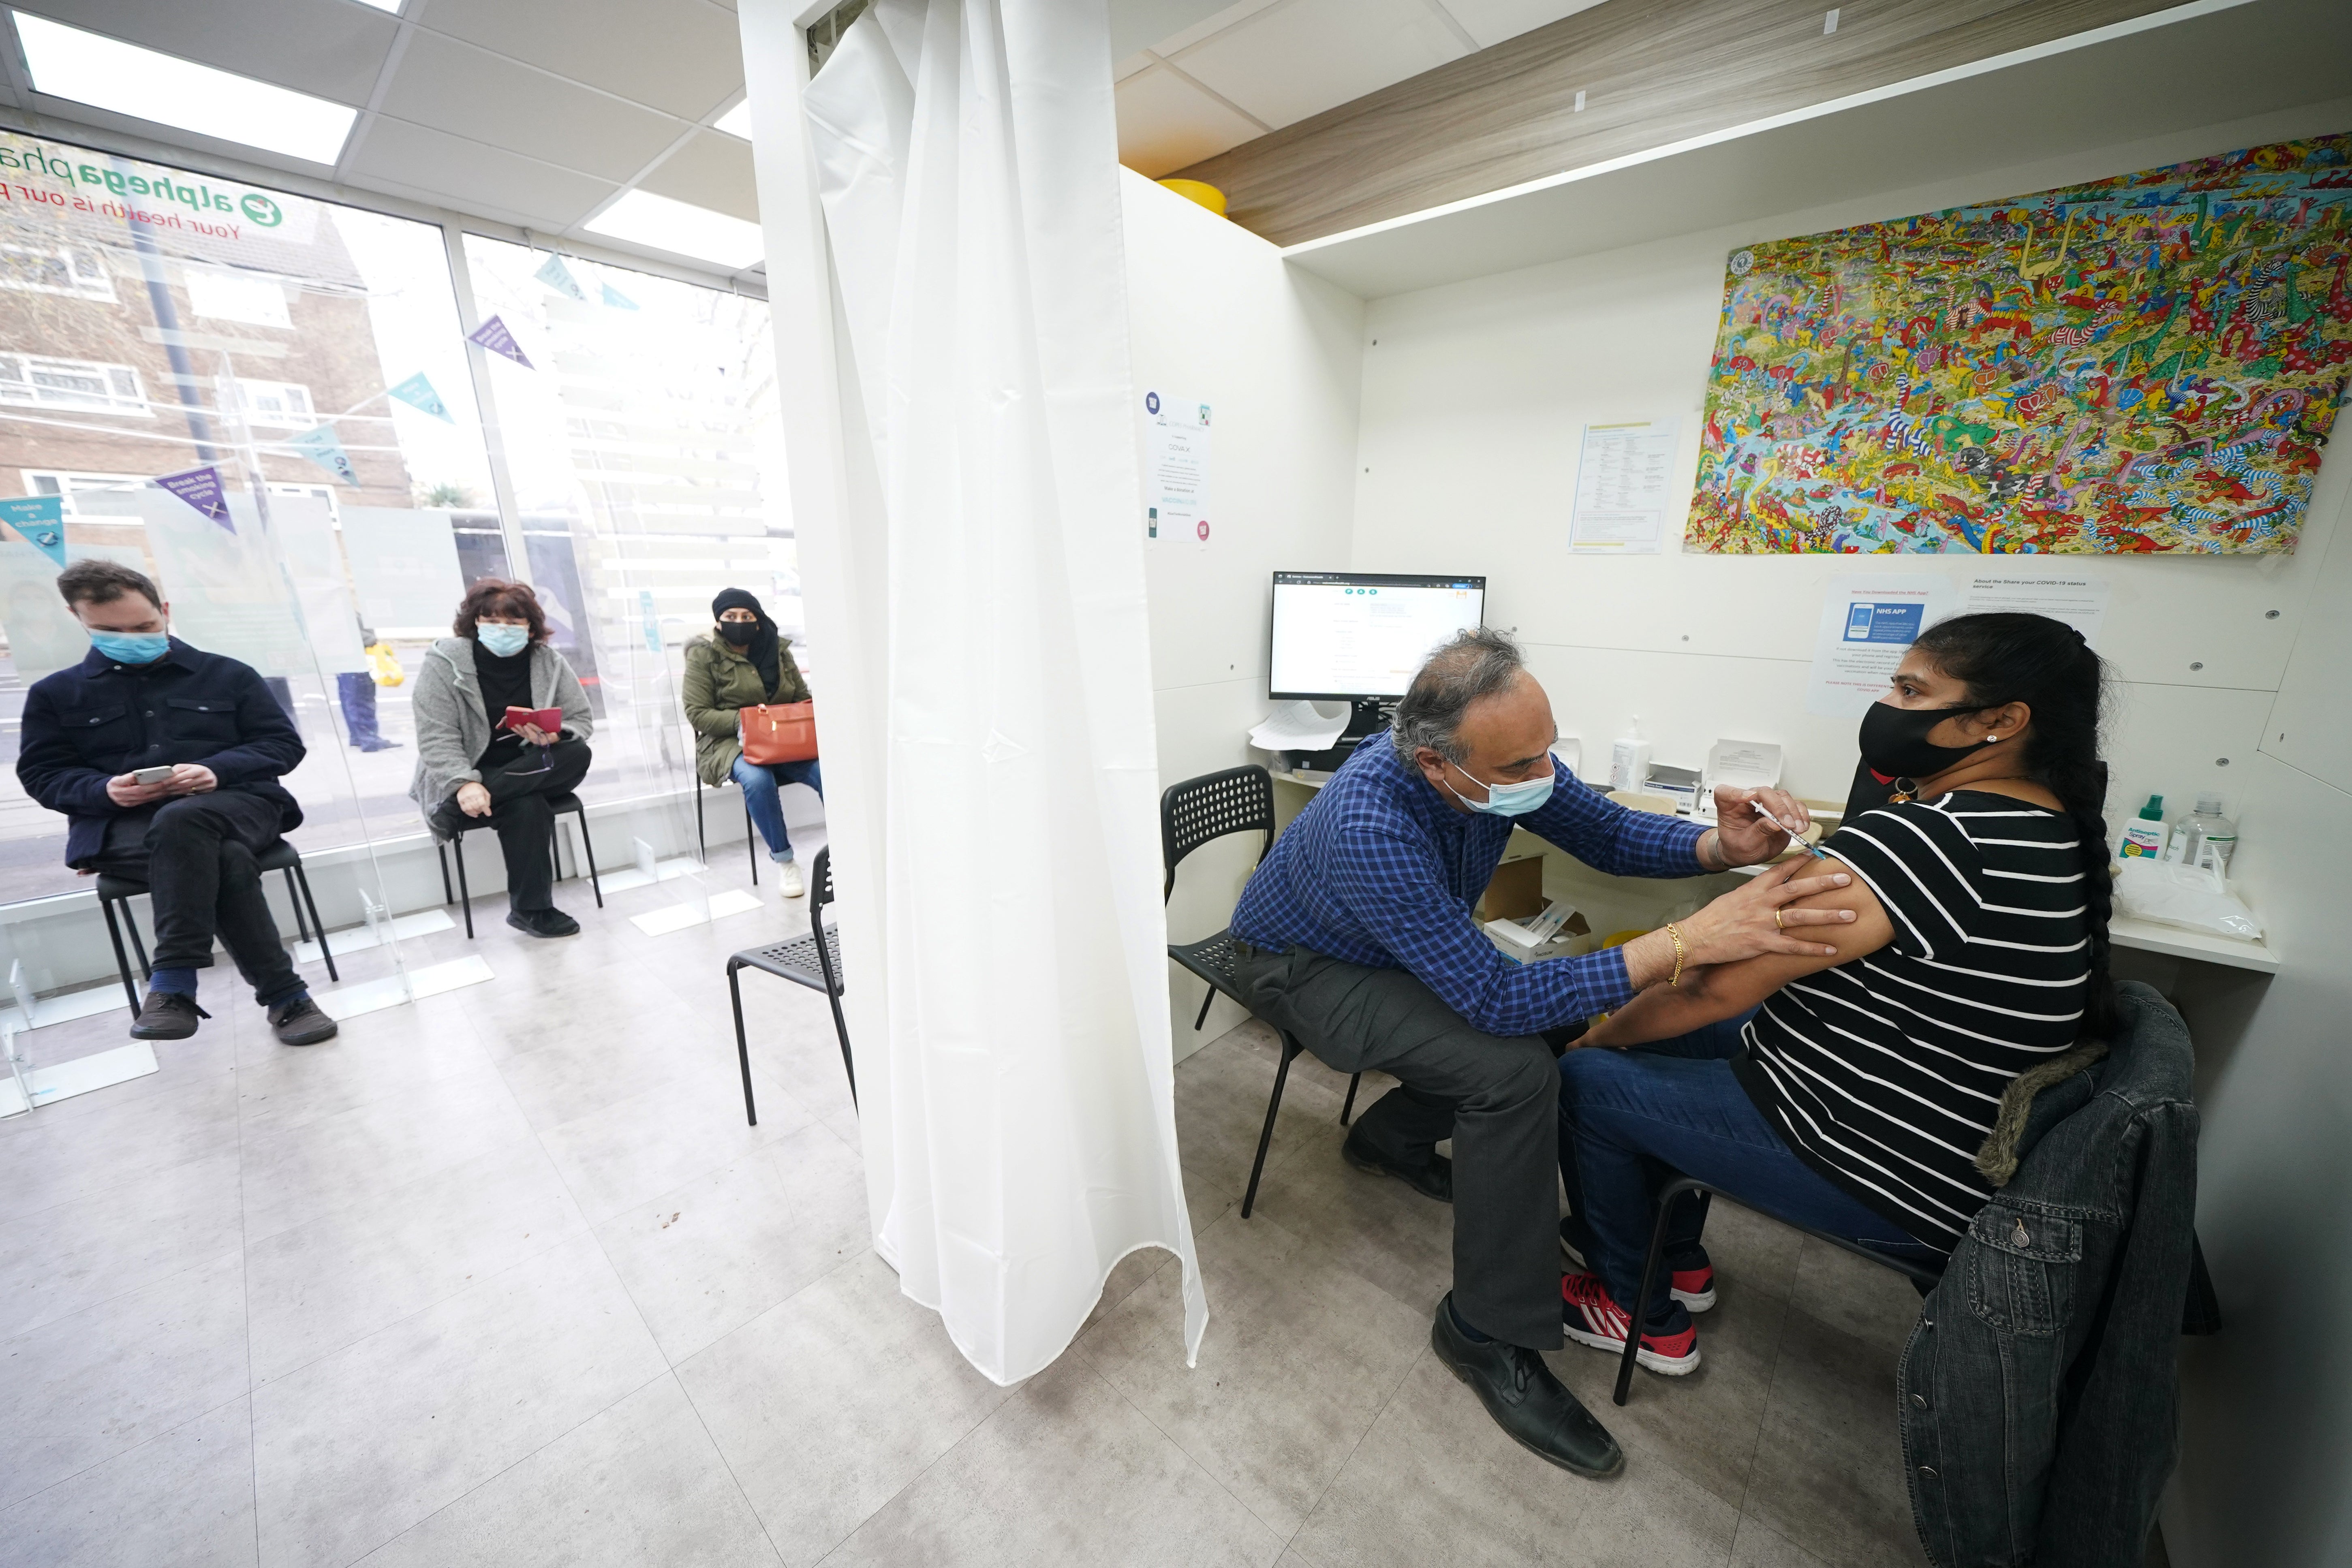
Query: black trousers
{"x": 523, "y": 819}
{"x": 1497, "y": 1098}
{"x": 197, "y": 857}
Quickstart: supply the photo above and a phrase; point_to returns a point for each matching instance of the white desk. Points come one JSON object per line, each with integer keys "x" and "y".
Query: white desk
{"x": 2172, "y": 941}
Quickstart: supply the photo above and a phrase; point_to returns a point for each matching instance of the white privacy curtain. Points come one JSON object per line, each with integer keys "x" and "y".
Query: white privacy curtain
{"x": 1023, "y": 1105}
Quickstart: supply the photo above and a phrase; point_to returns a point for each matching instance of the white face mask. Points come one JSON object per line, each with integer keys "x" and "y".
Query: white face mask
{"x": 503, "y": 642}
{"x": 1505, "y": 800}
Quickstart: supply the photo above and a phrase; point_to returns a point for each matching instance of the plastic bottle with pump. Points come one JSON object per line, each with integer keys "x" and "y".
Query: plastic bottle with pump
{"x": 1628, "y": 758}
{"x": 2144, "y": 835}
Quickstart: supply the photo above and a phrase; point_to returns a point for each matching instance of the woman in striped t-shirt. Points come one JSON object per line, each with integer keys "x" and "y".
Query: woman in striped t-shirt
{"x": 1868, "y": 1075}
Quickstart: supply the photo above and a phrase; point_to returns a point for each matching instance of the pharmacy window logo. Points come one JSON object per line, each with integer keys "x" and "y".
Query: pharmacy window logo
{"x": 261, "y": 210}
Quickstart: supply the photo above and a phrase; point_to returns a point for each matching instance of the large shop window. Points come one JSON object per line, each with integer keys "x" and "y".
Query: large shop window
{"x": 202, "y": 323}
{"x": 642, "y": 454}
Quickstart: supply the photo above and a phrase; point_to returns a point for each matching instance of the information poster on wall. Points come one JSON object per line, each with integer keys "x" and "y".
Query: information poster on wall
{"x": 405, "y": 564}
{"x": 1868, "y": 623}
{"x": 1624, "y": 488}
{"x": 2080, "y": 601}
{"x": 1175, "y": 468}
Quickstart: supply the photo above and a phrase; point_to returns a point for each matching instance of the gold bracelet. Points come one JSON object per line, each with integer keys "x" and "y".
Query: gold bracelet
{"x": 1676, "y": 937}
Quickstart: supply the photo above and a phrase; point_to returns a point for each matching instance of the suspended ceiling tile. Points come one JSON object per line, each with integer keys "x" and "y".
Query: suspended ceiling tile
{"x": 1146, "y": 24}
{"x": 328, "y": 48}
{"x": 1138, "y": 61}
{"x": 682, "y": 56}
{"x": 714, "y": 170}
{"x": 459, "y": 89}
{"x": 1216, "y": 22}
{"x": 1166, "y": 123}
{"x": 1492, "y": 21}
{"x": 415, "y": 161}
{"x": 1293, "y": 60}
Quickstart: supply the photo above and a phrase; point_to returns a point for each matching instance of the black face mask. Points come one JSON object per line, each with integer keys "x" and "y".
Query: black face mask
{"x": 1895, "y": 741}
{"x": 739, "y": 633}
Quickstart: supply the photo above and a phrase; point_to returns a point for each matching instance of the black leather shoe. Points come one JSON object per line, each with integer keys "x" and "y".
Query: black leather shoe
{"x": 301, "y": 1022}
{"x": 1526, "y": 1400}
{"x": 167, "y": 1015}
{"x": 543, "y": 922}
{"x": 1434, "y": 1179}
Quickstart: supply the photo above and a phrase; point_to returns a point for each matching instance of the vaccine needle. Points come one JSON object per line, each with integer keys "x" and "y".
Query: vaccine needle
{"x": 1795, "y": 837}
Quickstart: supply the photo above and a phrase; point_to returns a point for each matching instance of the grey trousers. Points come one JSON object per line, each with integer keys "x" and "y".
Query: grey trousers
{"x": 1498, "y": 1099}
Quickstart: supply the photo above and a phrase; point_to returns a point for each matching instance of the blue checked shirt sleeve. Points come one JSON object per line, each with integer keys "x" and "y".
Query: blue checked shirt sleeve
{"x": 1392, "y": 885}
{"x": 1610, "y": 838}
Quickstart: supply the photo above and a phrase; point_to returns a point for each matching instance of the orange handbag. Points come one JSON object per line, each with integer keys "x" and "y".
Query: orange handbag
{"x": 778, "y": 732}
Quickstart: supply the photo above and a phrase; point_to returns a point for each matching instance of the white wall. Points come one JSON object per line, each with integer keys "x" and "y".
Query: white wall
{"x": 1217, "y": 317}
{"x": 1474, "y": 397}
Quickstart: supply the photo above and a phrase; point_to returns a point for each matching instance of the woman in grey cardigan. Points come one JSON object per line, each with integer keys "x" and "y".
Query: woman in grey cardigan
{"x": 469, "y": 766}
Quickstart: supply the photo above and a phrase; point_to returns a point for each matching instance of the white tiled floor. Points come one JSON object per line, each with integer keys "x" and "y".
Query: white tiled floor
{"x": 503, "y": 1278}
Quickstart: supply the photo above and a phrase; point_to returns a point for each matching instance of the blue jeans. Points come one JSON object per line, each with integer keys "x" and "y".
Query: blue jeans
{"x": 760, "y": 783}
{"x": 1631, "y": 1120}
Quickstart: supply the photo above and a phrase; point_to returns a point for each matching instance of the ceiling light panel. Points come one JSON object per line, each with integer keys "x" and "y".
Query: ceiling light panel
{"x": 640, "y": 217}
{"x": 123, "y": 79}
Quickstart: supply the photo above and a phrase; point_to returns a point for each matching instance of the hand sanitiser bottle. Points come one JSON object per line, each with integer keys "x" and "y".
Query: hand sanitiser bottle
{"x": 2144, "y": 836}
{"x": 1628, "y": 758}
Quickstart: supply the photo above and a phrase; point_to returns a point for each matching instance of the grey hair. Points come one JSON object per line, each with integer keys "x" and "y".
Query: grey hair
{"x": 1476, "y": 663}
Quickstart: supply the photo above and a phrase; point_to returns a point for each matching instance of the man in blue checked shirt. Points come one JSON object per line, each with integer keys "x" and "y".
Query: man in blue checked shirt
{"x": 1359, "y": 939}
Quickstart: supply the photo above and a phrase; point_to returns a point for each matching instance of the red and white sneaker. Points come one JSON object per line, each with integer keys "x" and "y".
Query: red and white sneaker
{"x": 1588, "y": 1317}
{"x": 1694, "y": 1287}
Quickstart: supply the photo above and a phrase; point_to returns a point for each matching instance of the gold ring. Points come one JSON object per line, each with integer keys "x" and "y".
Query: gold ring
{"x": 1776, "y": 923}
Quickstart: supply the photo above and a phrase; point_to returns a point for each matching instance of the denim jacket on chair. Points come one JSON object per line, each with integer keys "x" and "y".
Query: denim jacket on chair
{"x": 2038, "y": 1393}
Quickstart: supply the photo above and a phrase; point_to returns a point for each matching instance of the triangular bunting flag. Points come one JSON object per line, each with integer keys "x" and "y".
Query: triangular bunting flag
{"x": 324, "y": 448}
{"x": 558, "y": 277}
{"x": 202, "y": 488}
{"x": 41, "y": 520}
{"x": 417, "y": 392}
{"x": 493, "y": 335}
{"x": 618, "y": 301}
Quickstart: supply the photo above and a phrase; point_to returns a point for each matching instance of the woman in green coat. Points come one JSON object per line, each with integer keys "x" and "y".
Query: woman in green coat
{"x": 742, "y": 663}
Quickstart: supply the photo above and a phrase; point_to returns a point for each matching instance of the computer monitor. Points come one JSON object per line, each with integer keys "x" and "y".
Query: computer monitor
{"x": 1359, "y": 636}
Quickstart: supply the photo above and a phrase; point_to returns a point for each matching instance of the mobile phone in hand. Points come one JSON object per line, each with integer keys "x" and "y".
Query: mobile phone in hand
{"x": 150, "y": 775}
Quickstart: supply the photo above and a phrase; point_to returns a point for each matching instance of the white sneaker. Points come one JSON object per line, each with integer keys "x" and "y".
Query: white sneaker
{"x": 788, "y": 879}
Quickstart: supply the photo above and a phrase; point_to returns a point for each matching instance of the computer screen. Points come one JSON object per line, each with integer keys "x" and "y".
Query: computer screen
{"x": 1339, "y": 635}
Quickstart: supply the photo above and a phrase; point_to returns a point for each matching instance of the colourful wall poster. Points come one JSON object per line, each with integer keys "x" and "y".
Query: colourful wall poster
{"x": 2145, "y": 364}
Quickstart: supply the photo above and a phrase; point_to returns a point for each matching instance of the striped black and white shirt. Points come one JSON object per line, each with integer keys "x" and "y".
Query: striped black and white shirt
{"x": 1884, "y": 1073}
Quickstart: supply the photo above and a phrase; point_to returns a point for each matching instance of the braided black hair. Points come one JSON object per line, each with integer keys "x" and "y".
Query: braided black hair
{"x": 2007, "y": 658}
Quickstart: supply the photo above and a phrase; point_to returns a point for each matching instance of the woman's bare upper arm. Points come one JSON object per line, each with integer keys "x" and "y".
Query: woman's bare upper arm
{"x": 1751, "y": 980}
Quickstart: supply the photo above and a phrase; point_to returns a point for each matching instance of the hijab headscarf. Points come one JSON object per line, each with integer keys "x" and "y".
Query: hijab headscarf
{"x": 762, "y": 649}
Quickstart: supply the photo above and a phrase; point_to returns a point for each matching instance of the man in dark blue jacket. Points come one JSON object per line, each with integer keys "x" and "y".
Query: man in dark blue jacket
{"x": 165, "y": 762}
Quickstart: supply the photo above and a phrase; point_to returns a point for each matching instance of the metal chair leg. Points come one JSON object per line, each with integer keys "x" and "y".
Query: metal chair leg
{"x": 464, "y": 894}
{"x": 121, "y": 959}
{"x": 448, "y": 895}
{"x": 751, "y": 844}
{"x": 1637, "y": 1312}
{"x": 588, "y": 848}
{"x": 701, "y": 845}
{"x": 1290, "y": 1049}
{"x": 742, "y": 1046}
{"x": 294, "y": 901}
{"x": 300, "y": 875}
{"x": 146, "y": 970}
{"x": 1349, "y": 1108}
{"x": 1203, "y": 1016}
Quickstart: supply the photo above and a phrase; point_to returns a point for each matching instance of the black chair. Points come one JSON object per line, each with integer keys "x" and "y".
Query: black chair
{"x": 750, "y": 833}
{"x": 1198, "y": 811}
{"x": 567, "y": 802}
{"x": 1920, "y": 1274}
{"x": 814, "y": 960}
{"x": 113, "y": 891}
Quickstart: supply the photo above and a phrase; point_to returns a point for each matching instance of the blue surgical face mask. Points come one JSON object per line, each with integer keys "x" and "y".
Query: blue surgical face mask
{"x": 503, "y": 642}
{"x": 131, "y": 647}
{"x": 1506, "y": 799}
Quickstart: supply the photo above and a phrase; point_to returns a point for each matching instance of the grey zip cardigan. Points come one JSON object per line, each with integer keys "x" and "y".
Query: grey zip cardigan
{"x": 452, "y": 730}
